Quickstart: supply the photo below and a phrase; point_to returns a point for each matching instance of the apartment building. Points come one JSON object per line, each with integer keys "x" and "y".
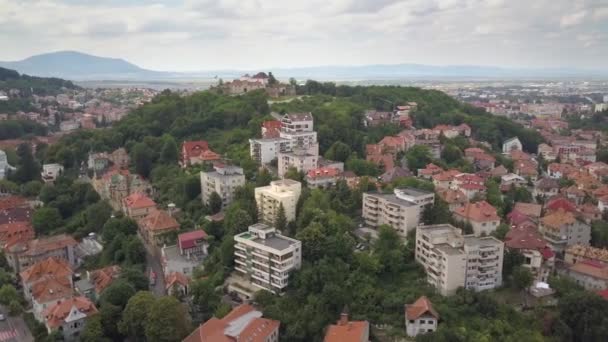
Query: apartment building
{"x": 269, "y": 199}
{"x": 223, "y": 180}
{"x": 300, "y": 159}
{"x": 481, "y": 215}
{"x": 265, "y": 150}
{"x": 20, "y": 256}
{"x": 562, "y": 229}
{"x": 452, "y": 260}
{"x": 401, "y": 210}
{"x": 266, "y": 258}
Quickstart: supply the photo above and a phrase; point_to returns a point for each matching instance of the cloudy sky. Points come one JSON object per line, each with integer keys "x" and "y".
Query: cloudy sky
{"x": 181, "y": 35}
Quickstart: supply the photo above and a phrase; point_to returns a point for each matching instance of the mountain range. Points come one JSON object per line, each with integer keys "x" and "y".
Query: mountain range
{"x": 80, "y": 66}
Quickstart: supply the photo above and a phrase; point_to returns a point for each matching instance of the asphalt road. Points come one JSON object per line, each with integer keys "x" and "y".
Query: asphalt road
{"x": 153, "y": 263}
{"x": 14, "y": 329}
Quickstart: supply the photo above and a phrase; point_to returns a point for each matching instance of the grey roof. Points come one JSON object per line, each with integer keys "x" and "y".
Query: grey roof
{"x": 414, "y": 191}
{"x": 277, "y": 242}
{"x": 487, "y": 241}
{"x": 392, "y": 199}
{"x": 83, "y": 285}
{"x": 447, "y": 249}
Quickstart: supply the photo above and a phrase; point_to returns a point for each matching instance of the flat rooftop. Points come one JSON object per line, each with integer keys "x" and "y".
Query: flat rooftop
{"x": 392, "y": 198}
{"x": 487, "y": 241}
{"x": 276, "y": 242}
{"x": 413, "y": 191}
{"x": 449, "y": 250}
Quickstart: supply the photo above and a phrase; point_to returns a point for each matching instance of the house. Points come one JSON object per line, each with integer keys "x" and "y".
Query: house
{"x": 271, "y": 129}
{"x": 511, "y": 180}
{"x": 137, "y": 205}
{"x": 177, "y": 284}
{"x": 531, "y": 210}
{"x": 119, "y": 158}
{"x": 324, "y": 177}
{"x": 262, "y": 239}
{"x": 197, "y": 152}
{"x": 279, "y": 193}
{"x": 562, "y": 229}
{"x": 574, "y": 194}
{"x": 50, "y": 172}
{"x": 15, "y": 232}
{"x": 512, "y": 144}
{"x": 243, "y": 323}
{"x": 48, "y": 268}
{"x": 481, "y": 215}
{"x": 96, "y": 281}
{"x": 558, "y": 171}
{"x": 546, "y": 187}
{"x": 429, "y": 171}
{"x": 453, "y": 260}
{"x": 401, "y": 210}
{"x": 69, "y": 317}
{"x": 352, "y": 180}
{"x": 394, "y": 174}
{"x": 224, "y": 181}
{"x": 528, "y": 169}
{"x": 538, "y": 257}
{"x": 445, "y": 179}
{"x": 420, "y": 317}
{"x": 384, "y": 161}
{"x": 499, "y": 171}
{"x": 347, "y": 331}
{"x": 115, "y": 185}
{"x": 578, "y": 253}
{"x": 47, "y": 292}
{"x": 375, "y": 118}
{"x": 155, "y": 225}
{"x": 559, "y": 202}
{"x": 22, "y": 255}
{"x": 471, "y": 185}
{"x": 393, "y": 144}
{"x": 591, "y": 275}
{"x": 454, "y": 198}
{"x": 188, "y": 254}
{"x": 4, "y": 165}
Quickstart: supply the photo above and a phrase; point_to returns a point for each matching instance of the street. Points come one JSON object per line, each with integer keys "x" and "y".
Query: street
{"x": 153, "y": 263}
{"x": 14, "y": 329}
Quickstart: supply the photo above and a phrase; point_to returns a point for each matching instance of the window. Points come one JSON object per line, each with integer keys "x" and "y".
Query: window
{"x": 412, "y": 321}
{"x": 422, "y": 321}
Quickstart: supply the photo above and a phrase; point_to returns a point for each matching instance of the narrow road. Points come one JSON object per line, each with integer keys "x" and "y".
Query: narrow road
{"x": 153, "y": 263}
{"x": 14, "y": 329}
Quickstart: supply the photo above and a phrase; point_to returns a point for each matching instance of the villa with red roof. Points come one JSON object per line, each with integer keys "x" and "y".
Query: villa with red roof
{"x": 323, "y": 177}
{"x": 471, "y": 185}
{"x": 481, "y": 215}
{"x": 420, "y": 317}
{"x": 429, "y": 171}
{"x": 187, "y": 254}
{"x": 445, "y": 179}
{"x": 271, "y": 129}
{"x": 14, "y": 233}
{"x": 49, "y": 268}
{"x": 538, "y": 257}
{"x": 243, "y": 323}
{"x": 155, "y": 225}
{"x": 197, "y": 152}
{"x": 177, "y": 284}
{"x": 137, "y": 205}
{"x": 347, "y": 331}
{"x": 69, "y": 317}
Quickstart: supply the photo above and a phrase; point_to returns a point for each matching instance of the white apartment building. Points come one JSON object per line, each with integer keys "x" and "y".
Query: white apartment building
{"x": 401, "y": 210}
{"x": 266, "y": 258}
{"x": 264, "y": 151}
{"x": 299, "y": 159}
{"x": 452, "y": 260}
{"x": 224, "y": 180}
{"x": 269, "y": 198}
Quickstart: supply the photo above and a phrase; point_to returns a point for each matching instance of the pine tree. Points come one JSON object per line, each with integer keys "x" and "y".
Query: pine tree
{"x": 169, "y": 152}
{"x": 280, "y": 221}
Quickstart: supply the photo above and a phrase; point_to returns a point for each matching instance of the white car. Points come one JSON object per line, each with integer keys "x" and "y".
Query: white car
{"x": 2, "y": 318}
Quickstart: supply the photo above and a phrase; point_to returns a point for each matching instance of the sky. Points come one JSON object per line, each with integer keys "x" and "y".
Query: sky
{"x": 189, "y": 35}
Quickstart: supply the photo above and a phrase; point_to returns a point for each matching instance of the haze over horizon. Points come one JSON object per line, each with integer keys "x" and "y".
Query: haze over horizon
{"x": 189, "y": 35}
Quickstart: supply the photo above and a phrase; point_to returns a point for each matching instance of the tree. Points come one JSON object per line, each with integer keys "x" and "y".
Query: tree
{"x": 418, "y": 157}
{"x": 271, "y": 79}
{"x": 215, "y": 203}
{"x": 134, "y": 250}
{"x": 135, "y": 277}
{"x": 501, "y": 231}
{"x": 15, "y": 308}
{"x": 8, "y": 293}
{"x": 93, "y": 331}
{"x": 46, "y": 219}
{"x": 110, "y": 316}
{"x": 294, "y": 174}
{"x": 97, "y": 215}
{"x": 512, "y": 259}
{"x": 135, "y": 316}
{"x": 169, "y": 152}
{"x": 263, "y": 178}
{"x": 438, "y": 213}
{"x": 586, "y": 314}
{"x": 236, "y": 220}
{"x": 27, "y": 168}
{"x": 339, "y": 151}
{"x": 118, "y": 294}
{"x": 205, "y": 297}
{"x": 521, "y": 278}
{"x": 280, "y": 221}
{"x": 143, "y": 158}
{"x": 167, "y": 321}
{"x": 451, "y": 154}
{"x": 31, "y": 188}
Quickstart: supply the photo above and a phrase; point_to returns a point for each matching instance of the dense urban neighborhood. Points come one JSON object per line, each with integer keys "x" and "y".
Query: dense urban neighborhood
{"x": 259, "y": 210}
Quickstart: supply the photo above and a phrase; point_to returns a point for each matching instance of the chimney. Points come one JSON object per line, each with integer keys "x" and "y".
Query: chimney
{"x": 343, "y": 318}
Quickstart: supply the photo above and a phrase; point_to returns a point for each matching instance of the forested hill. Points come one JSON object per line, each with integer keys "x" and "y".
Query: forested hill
{"x": 30, "y": 85}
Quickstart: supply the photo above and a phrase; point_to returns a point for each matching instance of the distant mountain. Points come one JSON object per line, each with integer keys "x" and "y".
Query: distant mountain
{"x": 79, "y": 66}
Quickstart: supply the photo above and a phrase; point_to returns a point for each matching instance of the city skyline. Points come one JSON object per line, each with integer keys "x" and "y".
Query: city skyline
{"x": 203, "y": 35}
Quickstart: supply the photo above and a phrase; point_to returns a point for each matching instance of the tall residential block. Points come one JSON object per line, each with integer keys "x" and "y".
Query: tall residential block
{"x": 269, "y": 199}
{"x": 224, "y": 180}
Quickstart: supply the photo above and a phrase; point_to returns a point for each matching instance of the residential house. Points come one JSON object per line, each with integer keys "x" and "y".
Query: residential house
{"x": 511, "y": 180}
{"x": 324, "y": 177}
{"x": 538, "y": 257}
{"x": 454, "y": 198}
{"x": 224, "y": 181}
{"x": 429, "y": 171}
{"x": 119, "y": 158}
{"x": 177, "y": 284}
{"x": 531, "y": 210}
{"x": 15, "y": 232}
{"x": 352, "y": 180}
{"x": 279, "y": 193}
{"x": 384, "y": 161}
{"x": 471, "y": 185}
{"x": 562, "y": 229}
{"x": 453, "y": 260}
{"x": 69, "y": 317}
{"x": 96, "y": 281}
{"x": 47, "y": 292}
{"x": 137, "y": 205}
{"x": 261, "y": 248}
{"x": 347, "y": 331}
{"x": 50, "y": 172}
{"x": 591, "y": 275}
{"x": 558, "y": 171}
{"x": 115, "y": 185}
{"x": 20, "y": 256}
{"x": 574, "y": 194}
{"x": 374, "y": 118}
{"x": 187, "y": 254}
{"x": 528, "y": 169}
{"x": 197, "y": 152}
{"x": 4, "y": 165}
{"x": 499, "y": 171}
{"x": 512, "y": 144}
{"x": 589, "y": 212}
{"x": 401, "y": 210}
{"x": 243, "y": 323}
{"x": 481, "y": 215}
{"x": 420, "y": 317}
{"x": 546, "y": 187}
{"x": 578, "y": 253}
{"x": 153, "y": 227}
{"x": 48, "y": 268}
{"x": 271, "y": 129}
{"x": 445, "y": 179}
{"x": 559, "y": 202}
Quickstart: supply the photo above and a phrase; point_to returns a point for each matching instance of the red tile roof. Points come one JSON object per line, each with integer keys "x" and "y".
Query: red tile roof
{"x": 420, "y": 307}
{"x": 188, "y": 240}
{"x": 16, "y": 232}
{"x": 323, "y": 172}
{"x": 52, "y": 266}
{"x": 159, "y": 220}
{"x": 559, "y": 202}
{"x": 56, "y": 314}
{"x": 51, "y": 243}
{"x": 525, "y": 237}
{"x": 104, "y": 277}
{"x": 478, "y": 212}
{"x": 347, "y": 331}
{"x": 176, "y": 278}
{"x": 138, "y": 201}
{"x": 13, "y": 202}
{"x": 49, "y": 288}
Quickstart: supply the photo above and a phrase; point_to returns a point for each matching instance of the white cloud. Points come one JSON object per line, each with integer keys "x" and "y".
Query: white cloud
{"x": 572, "y": 19}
